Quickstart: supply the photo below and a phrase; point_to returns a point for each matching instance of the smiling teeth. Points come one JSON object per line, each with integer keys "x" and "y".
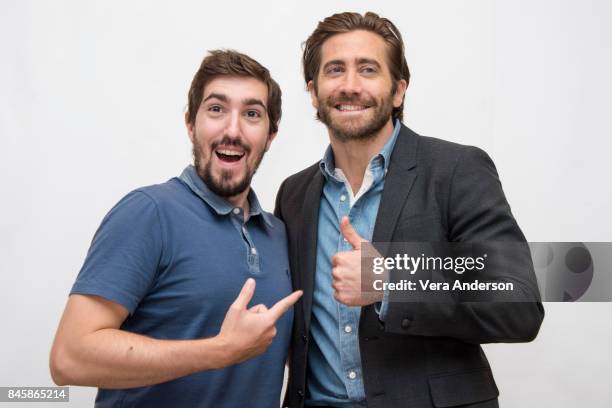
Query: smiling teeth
{"x": 351, "y": 107}
{"x": 229, "y": 152}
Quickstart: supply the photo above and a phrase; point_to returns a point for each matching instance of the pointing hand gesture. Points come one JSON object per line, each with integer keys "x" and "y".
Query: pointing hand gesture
{"x": 248, "y": 332}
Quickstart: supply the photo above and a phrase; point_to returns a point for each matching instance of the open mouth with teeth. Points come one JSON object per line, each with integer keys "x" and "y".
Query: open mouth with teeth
{"x": 351, "y": 108}
{"x": 228, "y": 155}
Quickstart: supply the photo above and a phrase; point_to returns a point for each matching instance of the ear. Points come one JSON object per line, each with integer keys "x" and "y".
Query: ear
{"x": 189, "y": 127}
{"x": 269, "y": 141}
{"x": 398, "y": 97}
{"x": 313, "y": 94}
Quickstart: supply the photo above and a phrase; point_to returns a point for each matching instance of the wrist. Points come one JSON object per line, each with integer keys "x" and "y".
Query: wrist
{"x": 220, "y": 351}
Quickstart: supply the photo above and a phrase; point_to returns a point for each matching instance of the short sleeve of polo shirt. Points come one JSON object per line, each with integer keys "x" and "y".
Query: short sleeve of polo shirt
{"x": 124, "y": 256}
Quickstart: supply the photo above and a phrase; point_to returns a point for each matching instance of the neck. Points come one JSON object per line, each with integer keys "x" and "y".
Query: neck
{"x": 241, "y": 201}
{"x": 353, "y": 156}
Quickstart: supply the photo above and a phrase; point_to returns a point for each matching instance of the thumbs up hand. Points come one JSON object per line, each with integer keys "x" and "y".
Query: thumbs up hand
{"x": 346, "y": 271}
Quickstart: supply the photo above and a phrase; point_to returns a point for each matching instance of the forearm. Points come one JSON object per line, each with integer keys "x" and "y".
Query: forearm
{"x": 113, "y": 358}
{"x": 476, "y": 317}
{"x": 473, "y": 322}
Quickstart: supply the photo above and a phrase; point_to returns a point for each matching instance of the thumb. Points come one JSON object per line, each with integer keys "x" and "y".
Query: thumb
{"x": 246, "y": 294}
{"x": 349, "y": 233}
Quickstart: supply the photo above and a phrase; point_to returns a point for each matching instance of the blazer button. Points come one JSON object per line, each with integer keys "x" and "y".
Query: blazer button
{"x": 305, "y": 338}
{"x": 406, "y": 323}
{"x": 301, "y": 393}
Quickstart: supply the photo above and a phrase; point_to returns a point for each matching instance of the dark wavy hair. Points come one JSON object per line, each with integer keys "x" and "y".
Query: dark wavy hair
{"x": 346, "y": 22}
{"x": 229, "y": 62}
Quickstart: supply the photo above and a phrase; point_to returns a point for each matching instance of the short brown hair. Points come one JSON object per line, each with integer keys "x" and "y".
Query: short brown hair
{"x": 229, "y": 62}
{"x": 346, "y": 22}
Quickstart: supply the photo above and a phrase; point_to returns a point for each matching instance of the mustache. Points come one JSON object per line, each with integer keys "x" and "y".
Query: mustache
{"x": 344, "y": 99}
{"x": 229, "y": 141}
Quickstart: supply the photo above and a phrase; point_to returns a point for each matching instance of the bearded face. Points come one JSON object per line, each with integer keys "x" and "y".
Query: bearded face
{"x": 355, "y": 117}
{"x": 226, "y": 182}
{"x": 354, "y": 92}
{"x": 231, "y": 133}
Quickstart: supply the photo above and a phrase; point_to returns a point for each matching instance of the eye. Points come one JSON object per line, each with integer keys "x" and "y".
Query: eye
{"x": 334, "y": 69}
{"x": 253, "y": 114}
{"x": 215, "y": 109}
{"x": 368, "y": 70}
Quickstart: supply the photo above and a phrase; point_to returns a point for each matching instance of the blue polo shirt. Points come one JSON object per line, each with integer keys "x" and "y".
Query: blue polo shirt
{"x": 176, "y": 255}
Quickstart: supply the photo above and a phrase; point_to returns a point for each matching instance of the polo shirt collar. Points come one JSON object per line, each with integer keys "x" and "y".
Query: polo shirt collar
{"x": 220, "y": 205}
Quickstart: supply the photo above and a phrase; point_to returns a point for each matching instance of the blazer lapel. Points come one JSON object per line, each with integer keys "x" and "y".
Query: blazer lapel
{"x": 307, "y": 244}
{"x": 398, "y": 183}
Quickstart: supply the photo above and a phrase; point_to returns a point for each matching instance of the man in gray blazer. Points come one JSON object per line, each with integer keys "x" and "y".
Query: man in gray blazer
{"x": 379, "y": 181}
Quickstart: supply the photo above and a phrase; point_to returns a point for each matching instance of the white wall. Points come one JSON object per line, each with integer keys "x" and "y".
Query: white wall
{"x": 91, "y": 102}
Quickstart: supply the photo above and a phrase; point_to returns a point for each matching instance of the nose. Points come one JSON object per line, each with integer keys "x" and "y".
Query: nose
{"x": 233, "y": 125}
{"x": 351, "y": 83}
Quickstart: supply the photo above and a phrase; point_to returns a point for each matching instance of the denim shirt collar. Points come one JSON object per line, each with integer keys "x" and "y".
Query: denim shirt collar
{"x": 221, "y": 206}
{"x": 328, "y": 166}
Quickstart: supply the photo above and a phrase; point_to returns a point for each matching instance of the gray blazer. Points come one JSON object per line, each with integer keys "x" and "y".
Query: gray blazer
{"x": 424, "y": 354}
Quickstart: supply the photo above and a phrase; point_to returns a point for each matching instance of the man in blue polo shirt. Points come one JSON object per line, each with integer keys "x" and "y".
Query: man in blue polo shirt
{"x": 184, "y": 297}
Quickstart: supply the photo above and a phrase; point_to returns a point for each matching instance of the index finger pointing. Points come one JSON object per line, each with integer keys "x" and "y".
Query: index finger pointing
{"x": 284, "y": 304}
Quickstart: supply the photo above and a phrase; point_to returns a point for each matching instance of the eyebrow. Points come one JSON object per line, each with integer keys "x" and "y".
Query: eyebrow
{"x": 332, "y": 62}
{"x": 253, "y": 101}
{"x": 359, "y": 61}
{"x": 213, "y": 95}
{"x": 224, "y": 98}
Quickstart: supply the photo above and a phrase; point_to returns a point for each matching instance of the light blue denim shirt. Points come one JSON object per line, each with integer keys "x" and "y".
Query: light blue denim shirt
{"x": 334, "y": 362}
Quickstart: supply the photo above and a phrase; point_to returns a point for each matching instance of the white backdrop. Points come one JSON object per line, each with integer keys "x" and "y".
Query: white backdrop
{"x": 92, "y": 96}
